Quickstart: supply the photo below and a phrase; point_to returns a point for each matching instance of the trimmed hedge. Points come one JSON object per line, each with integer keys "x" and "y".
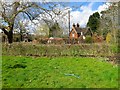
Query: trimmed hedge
{"x": 29, "y": 49}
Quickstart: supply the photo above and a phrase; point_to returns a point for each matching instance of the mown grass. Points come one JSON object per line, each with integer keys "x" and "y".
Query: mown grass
{"x": 58, "y": 72}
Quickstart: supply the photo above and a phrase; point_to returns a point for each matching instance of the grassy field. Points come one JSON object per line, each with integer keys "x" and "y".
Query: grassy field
{"x": 58, "y": 72}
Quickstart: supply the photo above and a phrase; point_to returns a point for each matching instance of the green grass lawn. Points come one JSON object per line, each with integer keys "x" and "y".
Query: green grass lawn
{"x": 58, "y": 72}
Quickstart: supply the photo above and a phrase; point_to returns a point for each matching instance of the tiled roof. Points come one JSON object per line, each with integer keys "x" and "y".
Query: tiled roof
{"x": 78, "y": 30}
{"x": 84, "y": 30}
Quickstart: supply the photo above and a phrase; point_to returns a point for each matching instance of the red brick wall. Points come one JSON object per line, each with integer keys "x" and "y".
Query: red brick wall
{"x": 75, "y": 35}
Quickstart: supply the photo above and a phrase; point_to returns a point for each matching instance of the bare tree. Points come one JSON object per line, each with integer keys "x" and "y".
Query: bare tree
{"x": 11, "y": 10}
{"x": 109, "y": 21}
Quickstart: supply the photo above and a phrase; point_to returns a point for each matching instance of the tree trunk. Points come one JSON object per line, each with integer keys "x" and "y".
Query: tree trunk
{"x": 10, "y": 36}
{"x": 21, "y": 37}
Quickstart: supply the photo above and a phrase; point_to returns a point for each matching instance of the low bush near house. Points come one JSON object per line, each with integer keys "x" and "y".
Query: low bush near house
{"x": 89, "y": 39}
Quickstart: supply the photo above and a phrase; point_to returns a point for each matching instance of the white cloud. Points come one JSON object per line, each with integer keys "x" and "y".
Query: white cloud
{"x": 82, "y": 16}
{"x": 103, "y": 7}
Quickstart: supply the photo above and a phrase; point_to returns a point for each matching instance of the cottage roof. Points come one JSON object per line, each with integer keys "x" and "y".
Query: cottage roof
{"x": 78, "y": 30}
{"x": 84, "y": 30}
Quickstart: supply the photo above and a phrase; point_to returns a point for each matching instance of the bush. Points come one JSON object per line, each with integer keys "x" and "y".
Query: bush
{"x": 43, "y": 41}
{"x": 88, "y": 39}
{"x": 66, "y": 40}
{"x": 56, "y": 41}
{"x": 108, "y": 38}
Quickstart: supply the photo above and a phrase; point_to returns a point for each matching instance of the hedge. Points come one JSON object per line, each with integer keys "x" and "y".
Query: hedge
{"x": 28, "y": 49}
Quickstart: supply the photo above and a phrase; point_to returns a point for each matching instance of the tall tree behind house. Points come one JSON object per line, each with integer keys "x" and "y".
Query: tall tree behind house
{"x": 94, "y": 21}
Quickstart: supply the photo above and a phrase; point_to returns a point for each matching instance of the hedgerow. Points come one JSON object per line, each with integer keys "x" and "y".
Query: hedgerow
{"x": 29, "y": 49}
